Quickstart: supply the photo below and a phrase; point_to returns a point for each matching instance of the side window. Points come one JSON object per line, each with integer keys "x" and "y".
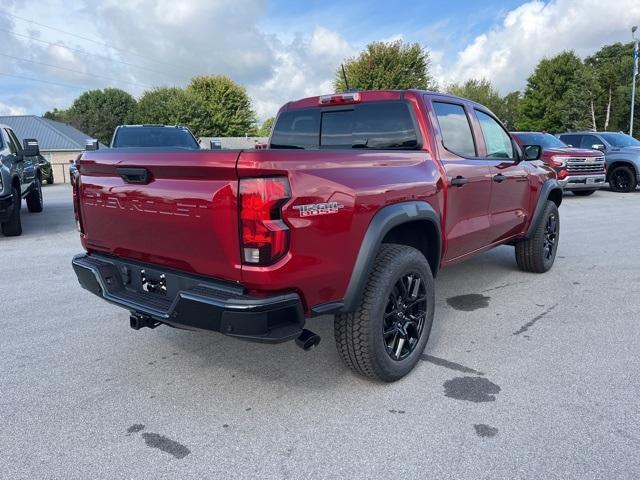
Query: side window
{"x": 455, "y": 129}
{"x": 571, "y": 140}
{"x": 496, "y": 139}
{"x": 298, "y": 129}
{"x": 589, "y": 140}
{"x": 13, "y": 148}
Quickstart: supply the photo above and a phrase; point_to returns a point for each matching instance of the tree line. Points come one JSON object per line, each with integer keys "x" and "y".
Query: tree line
{"x": 564, "y": 92}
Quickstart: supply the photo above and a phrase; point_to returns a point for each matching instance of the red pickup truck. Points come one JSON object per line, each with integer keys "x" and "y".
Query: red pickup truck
{"x": 579, "y": 170}
{"x": 357, "y": 203}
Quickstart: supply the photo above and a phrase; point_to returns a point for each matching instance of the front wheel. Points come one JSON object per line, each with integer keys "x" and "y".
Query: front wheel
{"x": 537, "y": 253}
{"x": 13, "y": 226}
{"x": 386, "y": 335}
{"x": 583, "y": 193}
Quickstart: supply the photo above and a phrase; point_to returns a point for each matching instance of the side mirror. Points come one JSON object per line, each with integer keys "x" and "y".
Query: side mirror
{"x": 532, "y": 152}
{"x": 92, "y": 145}
{"x": 598, "y": 146}
{"x": 30, "y": 147}
{"x": 215, "y": 145}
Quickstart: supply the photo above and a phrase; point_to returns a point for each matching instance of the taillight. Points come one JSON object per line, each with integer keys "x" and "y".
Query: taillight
{"x": 75, "y": 183}
{"x": 264, "y": 235}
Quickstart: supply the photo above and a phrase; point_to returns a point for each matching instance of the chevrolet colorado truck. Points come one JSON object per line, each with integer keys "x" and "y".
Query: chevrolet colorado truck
{"x": 579, "y": 170}
{"x": 20, "y": 177}
{"x": 357, "y": 203}
{"x": 621, "y": 153}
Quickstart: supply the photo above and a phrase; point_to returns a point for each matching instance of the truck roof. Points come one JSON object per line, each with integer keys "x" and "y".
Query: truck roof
{"x": 368, "y": 96}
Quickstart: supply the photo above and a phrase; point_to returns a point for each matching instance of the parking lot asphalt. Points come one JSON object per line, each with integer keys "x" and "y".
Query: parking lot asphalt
{"x": 524, "y": 376}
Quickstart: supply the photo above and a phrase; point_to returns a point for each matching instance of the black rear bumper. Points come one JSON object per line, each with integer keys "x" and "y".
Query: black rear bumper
{"x": 191, "y": 302}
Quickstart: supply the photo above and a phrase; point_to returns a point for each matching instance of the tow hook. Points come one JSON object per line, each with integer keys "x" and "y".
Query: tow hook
{"x": 137, "y": 321}
{"x": 307, "y": 340}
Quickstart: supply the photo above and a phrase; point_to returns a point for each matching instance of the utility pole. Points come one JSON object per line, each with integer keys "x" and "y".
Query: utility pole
{"x": 636, "y": 52}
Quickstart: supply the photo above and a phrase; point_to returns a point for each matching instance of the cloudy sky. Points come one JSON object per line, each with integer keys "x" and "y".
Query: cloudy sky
{"x": 281, "y": 49}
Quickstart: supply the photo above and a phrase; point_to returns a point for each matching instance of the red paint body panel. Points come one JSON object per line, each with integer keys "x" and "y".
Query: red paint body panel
{"x": 186, "y": 217}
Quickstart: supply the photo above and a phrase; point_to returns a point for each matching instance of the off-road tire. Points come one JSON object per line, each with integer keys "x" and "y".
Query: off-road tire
{"x": 583, "y": 193}
{"x": 50, "y": 180}
{"x": 359, "y": 334}
{"x": 34, "y": 198}
{"x": 530, "y": 253}
{"x": 631, "y": 180}
{"x": 13, "y": 226}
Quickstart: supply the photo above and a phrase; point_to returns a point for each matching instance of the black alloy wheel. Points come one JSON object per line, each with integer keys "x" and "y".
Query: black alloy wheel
{"x": 550, "y": 236}
{"x": 404, "y": 316}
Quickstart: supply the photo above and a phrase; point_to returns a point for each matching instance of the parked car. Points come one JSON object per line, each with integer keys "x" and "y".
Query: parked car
{"x": 20, "y": 177}
{"x": 621, "y": 153}
{"x": 145, "y": 136}
{"x": 357, "y": 203}
{"x": 46, "y": 170}
{"x": 581, "y": 171}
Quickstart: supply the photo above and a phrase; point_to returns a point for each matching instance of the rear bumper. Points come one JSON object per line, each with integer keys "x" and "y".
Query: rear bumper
{"x": 583, "y": 182}
{"x": 6, "y": 207}
{"x": 191, "y": 302}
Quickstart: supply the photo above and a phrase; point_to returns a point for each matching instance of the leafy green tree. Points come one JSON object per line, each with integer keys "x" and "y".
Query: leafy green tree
{"x": 98, "y": 112}
{"x": 557, "y": 95}
{"x": 164, "y": 105}
{"x": 57, "y": 115}
{"x": 217, "y": 106}
{"x": 265, "y": 128}
{"x": 483, "y": 92}
{"x": 387, "y": 65}
{"x": 511, "y": 104}
{"x": 612, "y": 66}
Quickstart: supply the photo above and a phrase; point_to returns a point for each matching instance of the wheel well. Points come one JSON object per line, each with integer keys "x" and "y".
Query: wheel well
{"x": 555, "y": 196}
{"x": 422, "y": 235}
{"x": 622, "y": 163}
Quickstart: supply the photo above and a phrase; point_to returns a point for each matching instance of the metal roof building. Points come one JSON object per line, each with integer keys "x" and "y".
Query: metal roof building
{"x": 51, "y": 135}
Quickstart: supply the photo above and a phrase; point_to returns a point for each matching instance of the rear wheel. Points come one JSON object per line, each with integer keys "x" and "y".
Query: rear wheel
{"x": 13, "y": 226}
{"x": 583, "y": 193}
{"x": 34, "y": 199}
{"x": 386, "y": 335}
{"x": 537, "y": 253}
{"x": 50, "y": 179}
{"x": 622, "y": 179}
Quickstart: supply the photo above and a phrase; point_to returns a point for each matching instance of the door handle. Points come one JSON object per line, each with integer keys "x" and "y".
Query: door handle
{"x": 135, "y": 175}
{"x": 459, "y": 181}
{"x": 499, "y": 178}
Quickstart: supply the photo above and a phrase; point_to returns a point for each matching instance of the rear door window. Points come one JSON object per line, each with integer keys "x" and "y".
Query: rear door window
{"x": 375, "y": 125}
{"x": 455, "y": 129}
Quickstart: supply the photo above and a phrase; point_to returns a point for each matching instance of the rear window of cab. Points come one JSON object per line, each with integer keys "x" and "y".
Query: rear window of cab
{"x": 375, "y": 125}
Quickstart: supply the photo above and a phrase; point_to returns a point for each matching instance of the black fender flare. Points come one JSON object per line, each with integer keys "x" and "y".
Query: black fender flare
{"x": 547, "y": 187}
{"x": 382, "y": 222}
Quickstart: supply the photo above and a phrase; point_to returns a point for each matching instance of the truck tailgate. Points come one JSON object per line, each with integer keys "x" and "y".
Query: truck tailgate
{"x": 183, "y": 215}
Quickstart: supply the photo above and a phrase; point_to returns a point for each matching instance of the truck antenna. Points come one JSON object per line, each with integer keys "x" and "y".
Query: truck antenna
{"x": 344, "y": 75}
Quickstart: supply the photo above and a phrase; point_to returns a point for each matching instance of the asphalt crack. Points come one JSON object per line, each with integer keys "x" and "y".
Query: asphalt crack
{"x": 533, "y": 321}
{"x": 441, "y": 362}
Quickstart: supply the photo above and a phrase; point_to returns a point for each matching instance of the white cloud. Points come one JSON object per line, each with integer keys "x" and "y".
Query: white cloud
{"x": 6, "y": 109}
{"x": 508, "y": 53}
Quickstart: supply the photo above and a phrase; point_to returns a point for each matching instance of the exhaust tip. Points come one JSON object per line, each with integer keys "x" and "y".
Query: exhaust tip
{"x": 308, "y": 340}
